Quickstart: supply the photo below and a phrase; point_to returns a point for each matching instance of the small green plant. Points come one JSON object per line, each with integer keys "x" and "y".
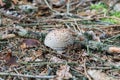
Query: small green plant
{"x": 110, "y": 20}
{"x": 99, "y": 6}
{"x": 103, "y": 8}
{"x": 115, "y": 14}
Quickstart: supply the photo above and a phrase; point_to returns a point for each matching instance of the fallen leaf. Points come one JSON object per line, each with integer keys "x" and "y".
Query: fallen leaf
{"x": 63, "y": 72}
{"x": 28, "y": 43}
{"x": 27, "y": 59}
{"x": 44, "y": 72}
{"x": 6, "y": 36}
{"x": 10, "y": 59}
{"x": 114, "y": 50}
{"x": 56, "y": 59}
{"x": 36, "y": 54}
{"x": 99, "y": 75}
{"x": 23, "y": 46}
{"x": 1, "y": 3}
{"x": 15, "y": 1}
{"x": 8, "y": 56}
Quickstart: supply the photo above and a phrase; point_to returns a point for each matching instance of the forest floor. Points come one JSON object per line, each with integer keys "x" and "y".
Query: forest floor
{"x": 24, "y": 25}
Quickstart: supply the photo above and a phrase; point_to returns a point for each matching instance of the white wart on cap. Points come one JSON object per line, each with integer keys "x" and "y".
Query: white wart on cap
{"x": 59, "y": 39}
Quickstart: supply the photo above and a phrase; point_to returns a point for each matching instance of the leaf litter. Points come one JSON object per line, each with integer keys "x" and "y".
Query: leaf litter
{"x": 93, "y": 55}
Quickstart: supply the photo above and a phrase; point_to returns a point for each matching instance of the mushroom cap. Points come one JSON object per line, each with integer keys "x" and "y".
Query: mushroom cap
{"x": 59, "y": 39}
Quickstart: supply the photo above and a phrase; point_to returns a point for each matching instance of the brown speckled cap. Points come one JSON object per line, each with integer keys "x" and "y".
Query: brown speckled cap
{"x": 59, "y": 39}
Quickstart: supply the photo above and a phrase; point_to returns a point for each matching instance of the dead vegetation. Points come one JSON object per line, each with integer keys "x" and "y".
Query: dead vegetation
{"x": 59, "y": 39}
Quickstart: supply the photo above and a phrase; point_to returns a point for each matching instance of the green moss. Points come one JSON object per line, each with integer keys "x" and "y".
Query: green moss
{"x": 115, "y": 14}
{"x": 110, "y": 20}
{"x": 99, "y": 6}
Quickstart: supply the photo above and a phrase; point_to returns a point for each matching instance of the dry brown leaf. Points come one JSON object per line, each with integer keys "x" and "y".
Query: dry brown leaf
{"x": 8, "y": 36}
{"x": 43, "y": 10}
{"x": 63, "y": 72}
{"x": 15, "y": 1}
{"x": 36, "y": 54}
{"x": 56, "y": 59}
{"x": 10, "y": 59}
{"x": 88, "y": 13}
{"x": 23, "y": 46}
{"x": 98, "y": 75}
{"x": 28, "y": 43}
{"x": 44, "y": 72}
{"x": 27, "y": 59}
{"x": 114, "y": 50}
{"x": 1, "y": 3}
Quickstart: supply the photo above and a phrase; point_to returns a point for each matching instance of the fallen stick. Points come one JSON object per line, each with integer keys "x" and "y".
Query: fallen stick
{"x": 27, "y": 76}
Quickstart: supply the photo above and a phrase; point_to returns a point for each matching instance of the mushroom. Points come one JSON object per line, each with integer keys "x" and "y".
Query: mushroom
{"x": 59, "y": 39}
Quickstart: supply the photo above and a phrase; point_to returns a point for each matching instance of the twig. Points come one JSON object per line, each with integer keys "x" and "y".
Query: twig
{"x": 68, "y": 6}
{"x": 46, "y": 2}
{"x": 18, "y": 73}
{"x": 48, "y": 63}
{"x": 27, "y": 76}
{"x": 85, "y": 70}
{"x": 104, "y": 68}
{"x": 82, "y": 74}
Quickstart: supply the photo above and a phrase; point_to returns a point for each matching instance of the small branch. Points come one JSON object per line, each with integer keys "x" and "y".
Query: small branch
{"x": 48, "y": 63}
{"x": 106, "y": 68}
{"x": 68, "y": 6}
{"x": 46, "y": 2}
{"x": 27, "y": 76}
{"x": 85, "y": 71}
